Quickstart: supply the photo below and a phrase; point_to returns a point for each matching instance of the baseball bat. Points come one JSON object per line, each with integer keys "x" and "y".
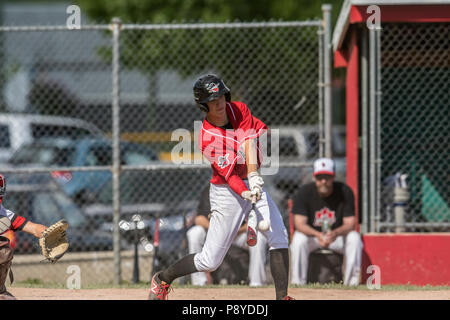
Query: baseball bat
{"x": 291, "y": 219}
{"x": 155, "y": 264}
{"x": 252, "y": 222}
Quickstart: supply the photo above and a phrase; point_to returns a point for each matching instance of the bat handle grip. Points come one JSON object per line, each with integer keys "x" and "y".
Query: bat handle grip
{"x": 253, "y": 200}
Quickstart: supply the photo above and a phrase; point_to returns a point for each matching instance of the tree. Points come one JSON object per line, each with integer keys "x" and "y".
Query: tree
{"x": 255, "y": 72}
{"x": 163, "y": 11}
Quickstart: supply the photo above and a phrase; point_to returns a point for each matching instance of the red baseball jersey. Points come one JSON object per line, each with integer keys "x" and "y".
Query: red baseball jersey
{"x": 17, "y": 222}
{"x": 224, "y": 148}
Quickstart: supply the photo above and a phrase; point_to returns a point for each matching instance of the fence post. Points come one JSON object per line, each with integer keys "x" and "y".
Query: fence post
{"x": 378, "y": 93}
{"x": 328, "y": 115}
{"x": 365, "y": 131}
{"x": 116, "y": 24}
{"x": 374, "y": 214}
{"x": 320, "y": 32}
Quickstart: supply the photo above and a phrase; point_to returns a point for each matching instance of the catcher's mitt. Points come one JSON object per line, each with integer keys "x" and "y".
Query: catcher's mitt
{"x": 53, "y": 241}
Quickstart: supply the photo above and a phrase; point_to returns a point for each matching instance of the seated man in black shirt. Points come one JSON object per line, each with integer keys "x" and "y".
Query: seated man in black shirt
{"x": 324, "y": 217}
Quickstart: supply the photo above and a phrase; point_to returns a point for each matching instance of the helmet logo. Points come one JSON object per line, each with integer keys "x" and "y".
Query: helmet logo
{"x": 212, "y": 87}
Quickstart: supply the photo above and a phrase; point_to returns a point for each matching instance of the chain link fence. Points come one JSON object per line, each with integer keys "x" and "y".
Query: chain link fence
{"x": 413, "y": 127}
{"x": 88, "y": 120}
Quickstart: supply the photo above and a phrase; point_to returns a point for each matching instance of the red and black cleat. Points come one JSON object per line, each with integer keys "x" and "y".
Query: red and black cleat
{"x": 159, "y": 289}
{"x": 288, "y": 298}
{"x": 251, "y": 237}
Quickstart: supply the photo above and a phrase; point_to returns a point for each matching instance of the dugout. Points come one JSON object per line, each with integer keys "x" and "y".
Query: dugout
{"x": 396, "y": 57}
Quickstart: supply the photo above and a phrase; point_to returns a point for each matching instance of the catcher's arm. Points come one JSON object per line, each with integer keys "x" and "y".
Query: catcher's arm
{"x": 34, "y": 228}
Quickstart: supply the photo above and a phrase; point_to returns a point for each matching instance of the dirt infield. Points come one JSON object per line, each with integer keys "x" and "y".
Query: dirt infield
{"x": 227, "y": 294}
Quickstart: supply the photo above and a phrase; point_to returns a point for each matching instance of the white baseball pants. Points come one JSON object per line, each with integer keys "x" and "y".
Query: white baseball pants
{"x": 257, "y": 256}
{"x": 349, "y": 245}
{"x": 228, "y": 211}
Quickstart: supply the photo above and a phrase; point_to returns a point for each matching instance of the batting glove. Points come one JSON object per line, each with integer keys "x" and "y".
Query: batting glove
{"x": 248, "y": 195}
{"x": 255, "y": 181}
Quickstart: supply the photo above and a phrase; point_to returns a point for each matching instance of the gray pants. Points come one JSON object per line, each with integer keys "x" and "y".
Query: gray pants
{"x": 349, "y": 245}
{"x": 6, "y": 256}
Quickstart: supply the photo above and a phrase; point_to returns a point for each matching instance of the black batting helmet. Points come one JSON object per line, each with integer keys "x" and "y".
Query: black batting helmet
{"x": 207, "y": 88}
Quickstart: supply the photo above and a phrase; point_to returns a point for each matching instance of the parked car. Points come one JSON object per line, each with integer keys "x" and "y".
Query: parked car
{"x": 338, "y": 136}
{"x": 83, "y": 186}
{"x": 19, "y": 129}
{"x": 301, "y": 144}
{"x": 171, "y": 195}
{"x": 40, "y": 199}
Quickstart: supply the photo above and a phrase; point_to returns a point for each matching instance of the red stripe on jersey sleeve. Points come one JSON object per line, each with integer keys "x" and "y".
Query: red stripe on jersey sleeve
{"x": 237, "y": 184}
{"x": 18, "y": 222}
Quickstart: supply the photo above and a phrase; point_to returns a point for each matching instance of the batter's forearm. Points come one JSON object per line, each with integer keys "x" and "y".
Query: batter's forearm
{"x": 251, "y": 158}
{"x": 237, "y": 184}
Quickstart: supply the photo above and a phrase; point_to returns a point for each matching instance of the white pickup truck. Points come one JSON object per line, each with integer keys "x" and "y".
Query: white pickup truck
{"x": 301, "y": 144}
{"x": 17, "y": 130}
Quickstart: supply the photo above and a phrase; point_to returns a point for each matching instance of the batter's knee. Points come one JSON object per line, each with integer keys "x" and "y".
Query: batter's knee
{"x": 278, "y": 240}
{"x": 206, "y": 263}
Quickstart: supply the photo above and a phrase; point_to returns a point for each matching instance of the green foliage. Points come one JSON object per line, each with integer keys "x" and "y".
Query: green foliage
{"x": 254, "y": 73}
{"x": 33, "y": 281}
{"x": 163, "y": 11}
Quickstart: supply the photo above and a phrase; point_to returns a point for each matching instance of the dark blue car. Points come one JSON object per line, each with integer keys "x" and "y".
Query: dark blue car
{"x": 82, "y": 186}
{"x": 37, "y": 197}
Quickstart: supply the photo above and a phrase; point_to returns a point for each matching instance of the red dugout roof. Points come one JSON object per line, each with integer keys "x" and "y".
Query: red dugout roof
{"x": 355, "y": 11}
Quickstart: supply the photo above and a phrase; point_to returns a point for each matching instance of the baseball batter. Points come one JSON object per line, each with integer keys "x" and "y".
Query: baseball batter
{"x": 229, "y": 139}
